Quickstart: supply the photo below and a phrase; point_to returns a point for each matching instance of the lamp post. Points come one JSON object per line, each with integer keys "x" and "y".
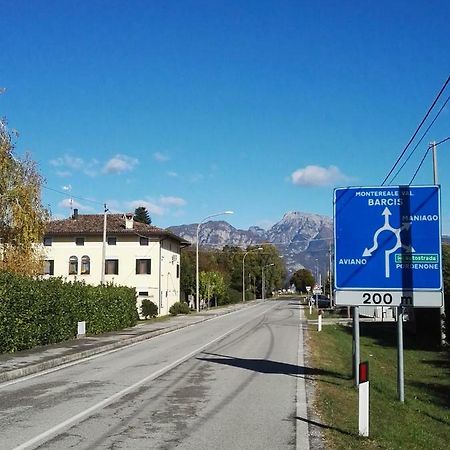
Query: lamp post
{"x": 263, "y": 281}
{"x": 243, "y": 270}
{"x": 197, "y": 297}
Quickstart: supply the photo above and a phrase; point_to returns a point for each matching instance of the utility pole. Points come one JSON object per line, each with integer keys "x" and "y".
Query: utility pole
{"x": 435, "y": 182}
{"x": 102, "y": 278}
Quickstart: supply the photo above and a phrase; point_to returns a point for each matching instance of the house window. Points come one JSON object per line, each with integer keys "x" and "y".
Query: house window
{"x": 49, "y": 267}
{"x": 112, "y": 241}
{"x": 178, "y": 271}
{"x": 73, "y": 265}
{"x": 85, "y": 265}
{"x": 112, "y": 267}
{"x": 143, "y": 240}
{"x": 48, "y": 241}
{"x": 143, "y": 266}
{"x": 79, "y": 241}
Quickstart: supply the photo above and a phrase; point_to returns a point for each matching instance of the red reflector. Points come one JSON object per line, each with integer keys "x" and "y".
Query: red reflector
{"x": 364, "y": 372}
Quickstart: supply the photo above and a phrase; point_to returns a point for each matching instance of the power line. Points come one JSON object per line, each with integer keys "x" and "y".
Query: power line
{"x": 420, "y": 140}
{"x": 420, "y": 165}
{"x": 74, "y": 196}
{"x": 425, "y": 155}
{"x": 417, "y": 130}
{"x": 441, "y": 142}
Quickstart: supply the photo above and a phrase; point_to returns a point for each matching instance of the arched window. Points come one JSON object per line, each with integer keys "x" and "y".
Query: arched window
{"x": 73, "y": 265}
{"x": 85, "y": 265}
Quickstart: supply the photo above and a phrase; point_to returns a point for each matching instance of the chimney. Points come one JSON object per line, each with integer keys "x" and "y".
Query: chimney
{"x": 75, "y": 214}
{"x": 129, "y": 221}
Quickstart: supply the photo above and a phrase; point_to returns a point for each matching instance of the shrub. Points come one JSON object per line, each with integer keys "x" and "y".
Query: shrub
{"x": 179, "y": 308}
{"x": 38, "y": 312}
{"x": 148, "y": 308}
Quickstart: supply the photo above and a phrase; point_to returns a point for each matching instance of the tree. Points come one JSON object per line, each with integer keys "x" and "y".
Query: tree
{"x": 187, "y": 272}
{"x": 23, "y": 218}
{"x": 142, "y": 215}
{"x": 301, "y": 279}
{"x": 212, "y": 286}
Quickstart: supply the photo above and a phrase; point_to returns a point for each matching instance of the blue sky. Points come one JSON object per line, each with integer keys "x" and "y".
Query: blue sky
{"x": 195, "y": 107}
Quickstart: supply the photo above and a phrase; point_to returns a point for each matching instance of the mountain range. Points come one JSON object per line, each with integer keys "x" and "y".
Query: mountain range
{"x": 303, "y": 239}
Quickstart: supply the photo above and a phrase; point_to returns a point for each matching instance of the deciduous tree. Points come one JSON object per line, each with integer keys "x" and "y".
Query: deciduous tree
{"x": 301, "y": 279}
{"x": 22, "y": 216}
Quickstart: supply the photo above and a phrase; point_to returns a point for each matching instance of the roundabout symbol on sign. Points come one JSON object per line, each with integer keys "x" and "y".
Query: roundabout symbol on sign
{"x": 398, "y": 244}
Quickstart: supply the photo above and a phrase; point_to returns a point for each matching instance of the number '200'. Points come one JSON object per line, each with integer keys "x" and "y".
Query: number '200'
{"x": 376, "y": 298}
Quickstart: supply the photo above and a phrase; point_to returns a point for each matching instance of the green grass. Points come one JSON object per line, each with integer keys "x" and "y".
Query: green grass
{"x": 422, "y": 422}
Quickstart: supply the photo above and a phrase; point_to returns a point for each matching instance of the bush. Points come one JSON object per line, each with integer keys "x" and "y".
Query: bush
{"x": 38, "y": 312}
{"x": 148, "y": 308}
{"x": 179, "y": 308}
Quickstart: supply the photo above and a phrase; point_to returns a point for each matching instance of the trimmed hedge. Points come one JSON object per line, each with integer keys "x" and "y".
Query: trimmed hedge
{"x": 37, "y": 312}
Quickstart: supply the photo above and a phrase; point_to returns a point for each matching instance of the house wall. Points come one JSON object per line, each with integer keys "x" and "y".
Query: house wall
{"x": 162, "y": 286}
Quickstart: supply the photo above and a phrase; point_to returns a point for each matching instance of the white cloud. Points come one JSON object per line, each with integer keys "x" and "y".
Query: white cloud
{"x": 172, "y": 201}
{"x": 120, "y": 164}
{"x": 71, "y": 203}
{"x": 317, "y": 176}
{"x": 63, "y": 173}
{"x": 152, "y": 208}
{"x": 172, "y": 174}
{"x": 161, "y": 157}
{"x": 68, "y": 161}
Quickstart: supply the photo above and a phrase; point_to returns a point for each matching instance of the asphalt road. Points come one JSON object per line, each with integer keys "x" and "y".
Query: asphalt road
{"x": 233, "y": 382}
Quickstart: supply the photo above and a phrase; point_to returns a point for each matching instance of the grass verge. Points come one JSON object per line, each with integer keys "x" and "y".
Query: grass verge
{"x": 422, "y": 422}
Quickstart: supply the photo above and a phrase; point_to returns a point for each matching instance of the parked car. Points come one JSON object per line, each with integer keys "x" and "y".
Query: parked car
{"x": 322, "y": 301}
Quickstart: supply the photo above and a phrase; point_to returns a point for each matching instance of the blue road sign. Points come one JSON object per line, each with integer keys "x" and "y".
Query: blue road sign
{"x": 388, "y": 239}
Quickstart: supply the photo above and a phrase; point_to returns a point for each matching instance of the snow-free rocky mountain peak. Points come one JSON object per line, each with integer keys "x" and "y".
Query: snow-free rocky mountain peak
{"x": 302, "y": 238}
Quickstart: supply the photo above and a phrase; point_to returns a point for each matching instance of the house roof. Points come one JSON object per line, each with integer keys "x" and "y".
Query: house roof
{"x": 92, "y": 225}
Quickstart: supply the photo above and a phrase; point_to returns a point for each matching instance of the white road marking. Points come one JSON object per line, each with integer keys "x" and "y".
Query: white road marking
{"x": 83, "y": 414}
{"x": 302, "y": 429}
{"x": 98, "y": 355}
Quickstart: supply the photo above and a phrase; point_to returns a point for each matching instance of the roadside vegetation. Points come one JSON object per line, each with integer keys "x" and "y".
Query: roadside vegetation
{"x": 422, "y": 422}
{"x": 40, "y": 312}
{"x": 22, "y": 215}
{"x": 220, "y": 277}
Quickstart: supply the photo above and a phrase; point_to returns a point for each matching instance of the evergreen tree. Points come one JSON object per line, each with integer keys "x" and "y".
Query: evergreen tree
{"x": 141, "y": 215}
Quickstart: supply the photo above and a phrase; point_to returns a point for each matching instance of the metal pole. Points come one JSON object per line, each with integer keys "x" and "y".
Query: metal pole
{"x": 262, "y": 284}
{"x": 435, "y": 171}
{"x": 400, "y": 374}
{"x": 243, "y": 277}
{"x": 102, "y": 277}
{"x": 196, "y": 256}
{"x": 435, "y": 182}
{"x": 329, "y": 280}
{"x": 356, "y": 333}
{"x": 197, "y": 297}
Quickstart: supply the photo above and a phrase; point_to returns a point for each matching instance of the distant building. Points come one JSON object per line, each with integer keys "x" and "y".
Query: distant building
{"x": 137, "y": 255}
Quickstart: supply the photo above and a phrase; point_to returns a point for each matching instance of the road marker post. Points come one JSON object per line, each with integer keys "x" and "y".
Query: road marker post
{"x": 363, "y": 410}
{"x": 319, "y": 321}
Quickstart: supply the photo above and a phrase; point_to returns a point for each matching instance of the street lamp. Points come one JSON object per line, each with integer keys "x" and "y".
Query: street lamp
{"x": 197, "y": 298}
{"x": 243, "y": 270}
{"x": 263, "y": 281}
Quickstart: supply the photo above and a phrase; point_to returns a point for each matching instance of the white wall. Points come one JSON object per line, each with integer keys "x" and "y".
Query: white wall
{"x": 163, "y": 290}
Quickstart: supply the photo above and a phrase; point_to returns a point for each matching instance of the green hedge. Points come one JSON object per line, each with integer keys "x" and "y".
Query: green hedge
{"x": 39, "y": 312}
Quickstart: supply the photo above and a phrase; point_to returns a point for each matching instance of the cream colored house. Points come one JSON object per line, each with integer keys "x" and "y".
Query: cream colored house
{"x": 136, "y": 255}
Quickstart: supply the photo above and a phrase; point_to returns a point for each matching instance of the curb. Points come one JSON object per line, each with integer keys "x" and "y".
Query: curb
{"x": 60, "y": 361}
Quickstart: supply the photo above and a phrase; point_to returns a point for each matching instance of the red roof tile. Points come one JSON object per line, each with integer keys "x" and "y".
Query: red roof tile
{"x": 92, "y": 224}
